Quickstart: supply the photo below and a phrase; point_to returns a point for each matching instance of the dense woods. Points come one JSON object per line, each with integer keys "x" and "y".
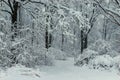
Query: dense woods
{"x": 37, "y": 32}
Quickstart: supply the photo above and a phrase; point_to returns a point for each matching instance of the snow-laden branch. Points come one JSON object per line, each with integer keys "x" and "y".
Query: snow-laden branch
{"x": 10, "y": 5}
{"x": 110, "y": 13}
{"x": 6, "y": 11}
{"x": 118, "y": 2}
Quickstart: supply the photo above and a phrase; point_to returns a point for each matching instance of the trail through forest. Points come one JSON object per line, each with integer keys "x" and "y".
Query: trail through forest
{"x": 62, "y": 70}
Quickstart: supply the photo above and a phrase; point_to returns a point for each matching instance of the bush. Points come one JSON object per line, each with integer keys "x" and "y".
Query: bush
{"x": 102, "y": 61}
{"x": 94, "y": 60}
{"x": 5, "y": 58}
{"x": 41, "y": 57}
{"x": 112, "y": 53}
{"x": 117, "y": 62}
{"x": 35, "y": 59}
{"x": 85, "y": 57}
{"x": 101, "y": 46}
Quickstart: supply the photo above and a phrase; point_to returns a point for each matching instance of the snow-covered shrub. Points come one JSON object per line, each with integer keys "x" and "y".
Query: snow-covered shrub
{"x": 101, "y": 46}
{"x": 117, "y": 62}
{"x": 58, "y": 54}
{"x": 23, "y": 49}
{"x": 113, "y": 53}
{"x": 5, "y": 58}
{"x": 93, "y": 60}
{"x": 43, "y": 58}
{"x": 101, "y": 61}
{"x": 5, "y": 54}
{"x": 32, "y": 57}
{"x": 36, "y": 58}
{"x": 85, "y": 57}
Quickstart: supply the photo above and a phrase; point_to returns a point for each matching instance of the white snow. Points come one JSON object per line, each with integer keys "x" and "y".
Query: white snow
{"x": 104, "y": 60}
{"x": 20, "y": 73}
{"x": 62, "y": 70}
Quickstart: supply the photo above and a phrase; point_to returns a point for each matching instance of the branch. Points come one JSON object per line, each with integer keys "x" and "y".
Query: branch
{"x": 118, "y": 3}
{"x": 6, "y": 11}
{"x": 107, "y": 12}
{"x": 10, "y": 5}
{"x": 92, "y": 20}
{"x": 38, "y": 2}
{"x": 4, "y": 2}
{"x": 26, "y": 2}
{"x": 55, "y": 6}
{"x": 29, "y": 12}
{"x": 113, "y": 12}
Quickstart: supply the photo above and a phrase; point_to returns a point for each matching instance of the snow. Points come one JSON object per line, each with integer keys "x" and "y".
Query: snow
{"x": 62, "y": 70}
{"x": 18, "y": 73}
{"x": 104, "y": 61}
{"x": 57, "y": 54}
{"x": 107, "y": 1}
{"x": 1, "y": 33}
{"x": 87, "y": 54}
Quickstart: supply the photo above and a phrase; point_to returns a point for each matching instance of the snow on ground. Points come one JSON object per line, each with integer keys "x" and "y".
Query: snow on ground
{"x": 63, "y": 70}
{"x": 20, "y": 73}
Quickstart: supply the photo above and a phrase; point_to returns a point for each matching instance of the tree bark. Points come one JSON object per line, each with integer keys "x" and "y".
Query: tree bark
{"x": 14, "y": 20}
{"x": 14, "y": 29}
{"x": 48, "y": 36}
{"x": 84, "y": 41}
{"x": 62, "y": 47}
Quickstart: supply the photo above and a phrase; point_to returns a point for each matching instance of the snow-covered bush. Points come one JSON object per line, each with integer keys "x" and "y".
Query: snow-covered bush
{"x": 36, "y": 58}
{"x": 85, "y": 57}
{"x": 101, "y": 61}
{"x": 5, "y": 54}
{"x": 95, "y": 60}
{"x": 113, "y": 53}
{"x": 117, "y": 62}
{"x": 101, "y": 46}
{"x": 24, "y": 50}
{"x": 40, "y": 56}
{"x": 5, "y": 58}
{"x": 58, "y": 54}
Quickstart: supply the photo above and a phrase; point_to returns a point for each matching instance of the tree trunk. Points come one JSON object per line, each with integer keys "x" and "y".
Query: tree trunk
{"x": 105, "y": 29}
{"x": 84, "y": 41}
{"x": 14, "y": 21}
{"x": 48, "y": 36}
{"x": 14, "y": 30}
{"x": 50, "y": 39}
{"x": 62, "y": 47}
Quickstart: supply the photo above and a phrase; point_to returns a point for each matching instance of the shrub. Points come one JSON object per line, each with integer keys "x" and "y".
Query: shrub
{"x": 35, "y": 59}
{"x": 117, "y": 62}
{"x": 102, "y": 61}
{"x": 85, "y": 57}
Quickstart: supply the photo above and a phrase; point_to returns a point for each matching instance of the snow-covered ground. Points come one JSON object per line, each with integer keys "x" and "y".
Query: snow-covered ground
{"x": 63, "y": 70}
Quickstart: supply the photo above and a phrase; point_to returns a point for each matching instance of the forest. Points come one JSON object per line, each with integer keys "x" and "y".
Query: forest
{"x": 59, "y": 39}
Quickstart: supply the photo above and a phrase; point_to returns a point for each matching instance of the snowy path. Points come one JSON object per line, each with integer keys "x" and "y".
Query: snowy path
{"x": 63, "y": 70}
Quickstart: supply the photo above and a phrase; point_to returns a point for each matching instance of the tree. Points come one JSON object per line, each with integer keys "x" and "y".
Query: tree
{"x": 90, "y": 23}
{"x": 111, "y": 13}
{"x": 13, "y": 6}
